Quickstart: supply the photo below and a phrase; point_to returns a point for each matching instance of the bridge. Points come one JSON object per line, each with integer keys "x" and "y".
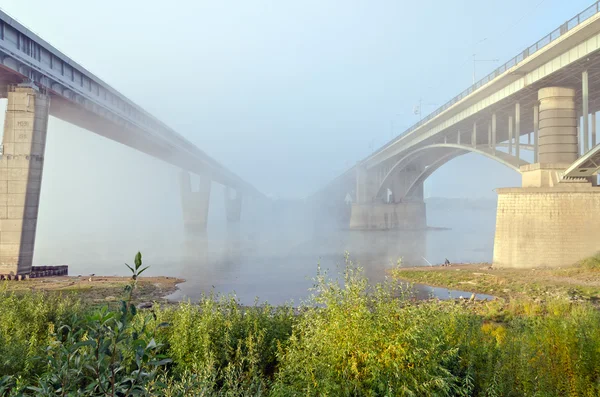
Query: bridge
{"x": 543, "y": 100}
{"x": 38, "y": 81}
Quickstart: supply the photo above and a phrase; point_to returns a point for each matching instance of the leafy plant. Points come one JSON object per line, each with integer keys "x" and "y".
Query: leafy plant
{"x": 103, "y": 353}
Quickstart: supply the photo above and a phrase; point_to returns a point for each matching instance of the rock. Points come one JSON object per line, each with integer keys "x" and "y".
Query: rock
{"x": 110, "y": 298}
{"x": 145, "y": 305}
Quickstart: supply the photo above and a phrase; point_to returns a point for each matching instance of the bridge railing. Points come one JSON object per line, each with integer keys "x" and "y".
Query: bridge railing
{"x": 529, "y": 51}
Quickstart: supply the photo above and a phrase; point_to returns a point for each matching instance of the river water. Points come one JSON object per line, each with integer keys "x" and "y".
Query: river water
{"x": 275, "y": 260}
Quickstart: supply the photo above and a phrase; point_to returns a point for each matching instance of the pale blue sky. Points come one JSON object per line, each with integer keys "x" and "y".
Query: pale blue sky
{"x": 287, "y": 94}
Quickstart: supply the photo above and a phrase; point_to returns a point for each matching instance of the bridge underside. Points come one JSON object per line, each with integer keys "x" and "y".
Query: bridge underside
{"x": 552, "y": 220}
{"x": 22, "y": 158}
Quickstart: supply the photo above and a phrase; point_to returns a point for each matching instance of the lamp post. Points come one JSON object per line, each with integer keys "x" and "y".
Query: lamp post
{"x": 418, "y": 109}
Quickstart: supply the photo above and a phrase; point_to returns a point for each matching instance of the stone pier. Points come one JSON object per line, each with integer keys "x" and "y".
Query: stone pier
{"x": 549, "y": 221}
{"x": 374, "y": 208}
{"x": 21, "y": 165}
{"x": 195, "y": 204}
{"x": 407, "y": 215}
{"x": 233, "y": 205}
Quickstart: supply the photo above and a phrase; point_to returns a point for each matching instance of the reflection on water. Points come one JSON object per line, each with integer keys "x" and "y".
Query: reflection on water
{"x": 280, "y": 270}
{"x": 275, "y": 260}
{"x": 277, "y": 265}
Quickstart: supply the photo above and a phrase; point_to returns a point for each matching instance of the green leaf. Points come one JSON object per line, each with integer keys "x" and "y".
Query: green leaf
{"x": 158, "y": 363}
{"x": 138, "y": 260}
{"x": 141, "y": 271}
{"x": 90, "y": 342}
{"x": 151, "y": 344}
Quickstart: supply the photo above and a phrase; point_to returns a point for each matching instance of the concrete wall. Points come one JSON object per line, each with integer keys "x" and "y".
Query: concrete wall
{"x": 380, "y": 216}
{"x": 551, "y": 227}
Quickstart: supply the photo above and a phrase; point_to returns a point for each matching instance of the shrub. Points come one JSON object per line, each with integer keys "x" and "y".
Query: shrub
{"x": 353, "y": 341}
{"x": 234, "y": 346}
{"x": 26, "y": 323}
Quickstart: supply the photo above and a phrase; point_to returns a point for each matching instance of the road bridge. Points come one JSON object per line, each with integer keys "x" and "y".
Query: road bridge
{"x": 39, "y": 81}
{"x": 545, "y": 100}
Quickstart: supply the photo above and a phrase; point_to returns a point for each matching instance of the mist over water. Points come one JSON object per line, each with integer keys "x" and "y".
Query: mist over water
{"x": 103, "y": 202}
{"x": 287, "y": 109}
{"x": 97, "y": 218}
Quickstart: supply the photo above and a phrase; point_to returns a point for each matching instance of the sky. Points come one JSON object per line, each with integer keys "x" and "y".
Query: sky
{"x": 287, "y": 94}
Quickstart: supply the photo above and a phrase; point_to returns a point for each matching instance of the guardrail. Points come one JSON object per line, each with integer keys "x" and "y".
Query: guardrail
{"x": 549, "y": 38}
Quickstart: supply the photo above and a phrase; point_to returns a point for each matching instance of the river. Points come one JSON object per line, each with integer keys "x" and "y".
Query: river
{"x": 275, "y": 260}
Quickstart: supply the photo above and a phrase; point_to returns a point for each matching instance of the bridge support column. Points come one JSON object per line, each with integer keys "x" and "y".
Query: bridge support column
{"x": 549, "y": 221}
{"x": 21, "y": 166}
{"x": 407, "y": 215}
{"x": 195, "y": 204}
{"x": 233, "y": 205}
{"x": 371, "y": 212}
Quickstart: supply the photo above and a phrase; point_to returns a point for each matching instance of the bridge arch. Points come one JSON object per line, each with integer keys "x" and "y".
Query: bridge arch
{"x": 452, "y": 151}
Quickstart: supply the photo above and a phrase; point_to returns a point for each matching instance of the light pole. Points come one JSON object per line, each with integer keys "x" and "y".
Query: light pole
{"x": 480, "y": 60}
{"x": 418, "y": 109}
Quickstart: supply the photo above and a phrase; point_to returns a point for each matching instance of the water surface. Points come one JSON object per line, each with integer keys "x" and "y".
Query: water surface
{"x": 277, "y": 259}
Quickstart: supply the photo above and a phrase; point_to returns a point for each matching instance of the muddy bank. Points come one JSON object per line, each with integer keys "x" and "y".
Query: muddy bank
{"x": 580, "y": 281}
{"x": 98, "y": 289}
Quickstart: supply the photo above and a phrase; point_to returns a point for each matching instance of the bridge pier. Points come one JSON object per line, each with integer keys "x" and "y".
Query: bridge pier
{"x": 549, "y": 221}
{"x": 195, "y": 204}
{"x": 407, "y": 215}
{"x": 376, "y": 213}
{"x": 233, "y": 205}
{"x": 21, "y": 166}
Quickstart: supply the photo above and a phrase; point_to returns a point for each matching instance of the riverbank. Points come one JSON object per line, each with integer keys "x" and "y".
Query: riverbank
{"x": 348, "y": 339}
{"x": 581, "y": 281}
{"x": 97, "y": 290}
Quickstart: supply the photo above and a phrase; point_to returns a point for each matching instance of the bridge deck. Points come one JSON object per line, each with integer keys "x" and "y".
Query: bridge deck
{"x": 81, "y": 98}
{"x": 557, "y": 59}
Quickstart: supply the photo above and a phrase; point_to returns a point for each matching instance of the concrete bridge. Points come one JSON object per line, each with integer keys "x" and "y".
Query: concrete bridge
{"x": 543, "y": 100}
{"x": 39, "y": 81}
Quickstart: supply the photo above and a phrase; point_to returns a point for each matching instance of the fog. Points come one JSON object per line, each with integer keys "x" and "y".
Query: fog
{"x": 285, "y": 94}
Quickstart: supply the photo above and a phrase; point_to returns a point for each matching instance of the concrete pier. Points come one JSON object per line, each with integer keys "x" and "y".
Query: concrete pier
{"x": 233, "y": 205}
{"x": 557, "y": 125}
{"x": 549, "y": 221}
{"x": 195, "y": 204}
{"x": 408, "y": 215}
{"x": 21, "y": 165}
{"x": 546, "y": 226}
{"x": 375, "y": 208}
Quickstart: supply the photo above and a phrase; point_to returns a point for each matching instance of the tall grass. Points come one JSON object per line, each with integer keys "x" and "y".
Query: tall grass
{"x": 349, "y": 339}
{"x": 26, "y": 325}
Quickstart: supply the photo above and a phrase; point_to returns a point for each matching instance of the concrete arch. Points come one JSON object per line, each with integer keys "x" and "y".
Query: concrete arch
{"x": 431, "y": 169}
{"x": 504, "y": 158}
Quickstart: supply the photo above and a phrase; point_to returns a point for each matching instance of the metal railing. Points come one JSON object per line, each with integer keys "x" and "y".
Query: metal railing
{"x": 529, "y": 51}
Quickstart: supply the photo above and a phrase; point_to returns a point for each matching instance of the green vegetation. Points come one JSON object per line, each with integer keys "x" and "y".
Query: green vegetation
{"x": 350, "y": 339}
{"x": 580, "y": 281}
